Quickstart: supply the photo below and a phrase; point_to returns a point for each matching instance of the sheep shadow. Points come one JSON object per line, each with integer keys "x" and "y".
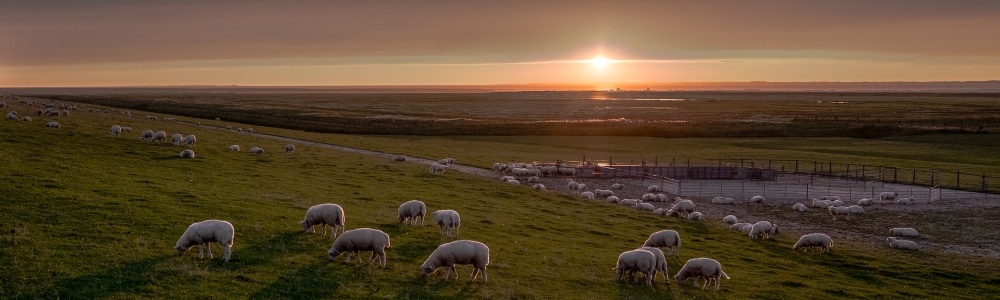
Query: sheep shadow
{"x": 132, "y": 278}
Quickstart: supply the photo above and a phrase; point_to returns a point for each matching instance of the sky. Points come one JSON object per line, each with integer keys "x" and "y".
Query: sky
{"x": 128, "y": 43}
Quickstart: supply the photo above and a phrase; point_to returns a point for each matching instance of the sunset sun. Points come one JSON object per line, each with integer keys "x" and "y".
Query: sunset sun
{"x": 599, "y": 62}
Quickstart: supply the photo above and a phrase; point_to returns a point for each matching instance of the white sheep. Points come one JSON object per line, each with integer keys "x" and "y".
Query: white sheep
{"x": 645, "y": 206}
{"x": 653, "y": 189}
{"x": 696, "y": 268}
{"x": 234, "y": 147}
{"x": 205, "y": 232}
{"x": 146, "y": 135}
{"x": 696, "y": 216}
{"x": 187, "y": 154}
{"x": 613, "y": 199}
{"x": 800, "y": 207}
{"x": 683, "y": 208}
{"x": 660, "y": 211}
{"x": 116, "y": 131}
{"x": 26, "y": 119}
{"x": 217, "y": 119}
{"x": 910, "y": 232}
{"x": 446, "y": 220}
{"x": 437, "y": 169}
{"x": 126, "y": 129}
{"x": 762, "y": 229}
{"x": 189, "y": 140}
{"x": 450, "y": 160}
{"x": 723, "y": 200}
{"x": 821, "y": 203}
{"x": 12, "y": 115}
{"x": 814, "y": 240}
{"x": 838, "y": 203}
{"x": 640, "y": 261}
{"x": 661, "y": 262}
{"x": 159, "y": 136}
{"x": 52, "y": 124}
{"x": 533, "y": 179}
{"x": 463, "y": 252}
{"x": 739, "y": 226}
{"x": 839, "y": 211}
{"x": 176, "y": 139}
{"x": 443, "y": 161}
{"x": 572, "y": 185}
{"x": 617, "y": 186}
{"x": 323, "y": 215}
{"x": 887, "y": 196}
{"x": 757, "y": 199}
{"x": 250, "y": 130}
{"x": 229, "y": 127}
{"x": 239, "y": 129}
{"x": 902, "y": 244}
{"x": 730, "y": 219}
{"x": 412, "y": 211}
{"x": 256, "y": 150}
{"x": 856, "y": 210}
{"x": 866, "y": 201}
{"x": 661, "y": 197}
{"x": 904, "y": 201}
{"x": 581, "y": 187}
{"x": 603, "y": 193}
{"x": 665, "y": 238}
{"x": 538, "y": 186}
{"x": 289, "y": 148}
{"x": 831, "y": 198}
{"x": 514, "y": 182}
{"x": 567, "y": 171}
{"x": 361, "y": 239}
{"x": 506, "y": 178}
{"x": 629, "y": 202}
{"x": 587, "y": 195}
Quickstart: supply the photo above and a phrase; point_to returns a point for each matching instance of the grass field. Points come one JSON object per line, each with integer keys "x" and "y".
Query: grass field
{"x": 90, "y": 216}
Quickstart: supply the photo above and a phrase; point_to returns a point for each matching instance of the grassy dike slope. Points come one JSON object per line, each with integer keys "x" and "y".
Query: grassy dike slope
{"x": 89, "y": 216}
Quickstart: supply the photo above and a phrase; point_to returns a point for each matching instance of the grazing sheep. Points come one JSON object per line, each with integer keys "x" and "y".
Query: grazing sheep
{"x": 437, "y": 169}
{"x": 762, "y": 229}
{"x": 116, "y": 130}
{"x": 603, "y": 193}
{"x": 567, "y": 171}
{"x": 189, "y": 140}
{"x": 683, "y": 208}
{"x": 739, "y": 226}
{"x": 159, "y": 136}
{"x": 205, "y": 232}
{"x": 52, "y": 124}
{"x": 839, "y": 211}
{"x": 838, "y": 203}
{"x": 757, "y": 199}
{"x": 411, "y": 211}
{"x": 26, "y": 119}
{"x": 866, "y": 201}
{"x": 506, "y": 178}
{"x": 65, "y": 112}
{"x": 447, "y": 219}
{"x": 176, "y": 139}
{"x": 723, "y": 200}
{"x": 399, "y": 157}
{"x": 538, "y": 186}
{"x": 660, "y": 211}
{"x": 665, "y": 238}
{"x": 649, "y": 197}
{"x": 12, "y": 115}
{"x": 443, "y": 161}
{"x": 514, "y": 182}
{"x": 902, "y": 244}
{"x": 661, "y": 197}
{"x": 653, "y": 189}
{"x": 533, "y": 179}
{"x": 814, "y": 240}
{"x": 497, "y": 167}
{"x": 450, "y": 161}
{"x": 821, "y": 203}
{"x": 464, "y": 252}
{"x": 239, "y": 129}
{"x": 587, "y": 195}
{"x": 613, "y": 199}
{"x": 910, "y": 232}
{"x": 856, "y": 210}
{"x": 581, "y": 187}
{"x": 630, "y": 202}
{"x": 573, "y": 185}
{"x": 904, "y": 201}
{"x": 250, "y": 130}
{"x": 146, "y": 135}
{"x": 640, "y": 261}
{"x": 696, "y": 216}
{"x": 661, "y": 262}
{"x": 645, "y": 206}
{"x": 322, "y": 215}
{"x": 730, "y": 219}
{"x": 187, "y": 154}
{"x": 126, "y": 129}
{"x": 289, "y": 148}
{"x": 256, "y": 150}
{"x": 800, "y": 207}
{"x": 217, "y": 119}
{"x": 361, "y": 239}
{"x": 887, "y": 196}
{"x": 234, "y": 147}
{"x": 617, "y": 186}
{"x": 696, "y": 268}
{"x": 229, "y": 127}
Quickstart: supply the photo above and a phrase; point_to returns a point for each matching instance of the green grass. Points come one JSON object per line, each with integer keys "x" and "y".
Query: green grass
{"x": 89, "y": 216}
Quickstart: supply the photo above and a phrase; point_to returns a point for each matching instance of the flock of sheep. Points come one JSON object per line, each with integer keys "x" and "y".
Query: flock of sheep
{"x": 180, "y": 140}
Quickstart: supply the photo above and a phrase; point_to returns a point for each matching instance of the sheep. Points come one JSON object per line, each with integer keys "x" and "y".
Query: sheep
{"x": 723, "y": 200}
{"x": 176, "y": 139}
{"x": 696, "y": 216}
{"x": 581, "y": 187}
{"x": 217, "y": 119}
{"x": 205, "y": 232}
{"x": 641, "y": 261}
{"x": 256, "y": 150}
{"x": 613, "y": 199}
{"x": 65, "y": 112}
{"x": 229, "y": 127}
{"x": 52, "y": 124}
{"x": 739, "y": 226}
{"x": 437, "y": 169}
{"x": 587, "y": 195}
{"x": 821, "y": 203}
{"x": 497, "y": 167}
{"x": 506, "y": 178}
{"x": 567, "y": 171}
{"x": 839, "y": 211}
{"x": 831, "y": 198}
{"x": 800, "y": 207}
{"x": 126, "y": 129}
{"x": 399, "y": 157}
{"x": 887, "y": 196}
{"x": 902, "y": 244}
{"x": 463, "y": 252}
{"x": 659, "y": 211}
{"x": 250, "y": 130}
{"x": 665, "y": 238}
{"x": 683, "y": 208}
{"x": 322, "y": 215}
{"x": 866, "y": 201}
{"x": 661, "y": 262}
{"x": 909, "y": 232}
{"x": 904, "y": 201}
{"x": 514, "y": 182}
{"x": 146, "y": 135}
{"x": 573, "y": 185}
{"x": 730, "y": 219}
{"x": 187, "y": 154}
{"x": 189, "y": 140}
{"x": 644, "y": 206}
{"x": 838, "y": 203}
{"x": 234, "y": 147}
{"x": 450, "y": 161}
{"x": 629, "y": 202}
{"x": 661, "y": 197}
{"x": 12, "y": 115}
{"x": 443, "y": 161}
{"x": 538, "y": 186}
{"x": 653, "y": 189}
{"x": 814, "y": 240}
{"x": 603, "y": 193}
{"x": 649, "y": 197}
{"x": 696, "y": 268}
{"x": 856, "y": 210}
{"x": 361, "y": 239}
{"x": 26, "y": 119}
{"x": 158, "y": 136}
{"x": 411, "y": 211}
{"x": 116, "y": 130}
{"x": 289, "y": 148}
{"x": 447, "y": 219}
{"x": 617, "y": 186}
{"x": 762, "y": 229}
{"x": 533, "y": 179}
{"x": 239, "y": 129}
{"x": 757, "y": 199}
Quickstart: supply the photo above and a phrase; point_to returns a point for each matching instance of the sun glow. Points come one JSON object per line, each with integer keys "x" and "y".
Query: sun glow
{"x": 600, "y": 62}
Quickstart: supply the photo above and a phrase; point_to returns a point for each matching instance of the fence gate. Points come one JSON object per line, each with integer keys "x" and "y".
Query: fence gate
{"x": 935, "y": 194}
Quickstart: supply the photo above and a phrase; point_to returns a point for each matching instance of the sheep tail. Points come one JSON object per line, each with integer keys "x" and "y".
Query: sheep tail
{"x": 723, "y": 273}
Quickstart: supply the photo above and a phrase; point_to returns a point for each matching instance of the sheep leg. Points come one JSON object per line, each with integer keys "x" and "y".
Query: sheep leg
{"x": 372, "y": 258}
{"x": 475, "y": 272}
{"x": 348, "y": 254}
{"x": 696, "y": 279}
{"x": 707, "y": 281}
{"x": 381, "y": 253}
{"x": 447, "y": 273}
{"x": 717, "y": 283}
{"x": 227, "y": 252}
{"x": 201, "y": 250}
{"x": 456, "y": 236}
{"x": 358, "y": 254}
{"x": 484, "y": 274}
{"x": 324, "y": 228}
{"x": 453, "y": 270}
{"x": 208, "y": 247}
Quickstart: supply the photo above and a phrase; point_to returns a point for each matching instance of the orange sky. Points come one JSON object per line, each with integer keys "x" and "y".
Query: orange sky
{"x": 113, "y": 43}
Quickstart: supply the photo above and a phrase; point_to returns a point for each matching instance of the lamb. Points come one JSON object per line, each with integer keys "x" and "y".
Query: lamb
{"x": 126, "y": 129}
{"x": 116, "y": 130}
{"x": 723, "y": 200}
{"x": 696, "y": 216}
{"x": 661, "y": 262}
{"x": 538, "y": 186}
{"x": 904, "y": 201}
{"x": 437, "y": 169}
{"x": 289, "y": 148}
{"x": 176, "y": 139}
{"x": 411, "y": 211}
{"x": 910, "y": 232}
{"x": 887, "y": 196}
{"x": 856, "y": 210}
{"x": 640, "y": 261}
{"x": 814, "y": 240}
{"x": 617, "y": 186}
{"x": 361, "y": 239}
{"x": 665, "y": 238}
{"x": 234, "y": 147}
{"x": 630, "y": 202}
{"x": 645, "y": 206}
{"x": 533, "y": 179}
{"x": 838, "y": 203}
{"x": 762, "y": 229}
{"x": 158, "y": 136}
{"x": 12, "y": 115}
{"x": 730, "y": 219}
{"x": 902, "y": 244}
{"x": 447, "y": 219}
{"x": 653, "y": 189}
{"x": 187, "y": 154}
{"x": 839, "y": 211}
{"x": 613, "y": 199}
{"x": 322, "y": 215}
{"x": 866, "y": 201}
{"x": 603, "y": 193}
{"x": 800, "y": 207}
{"x": 463, "y": 252}
{"x": 256, "y": 150}
{"x": 146, "y": 135}
{"x": 52, "y": 124}
{"x": 757, "y": 199}
{"x": 707, "y": 268}
{"x": 205, "y": 232}
{"x": 587, "y": 195}
{"x": 514, "y": 182}
{"x": 189, "y": 140}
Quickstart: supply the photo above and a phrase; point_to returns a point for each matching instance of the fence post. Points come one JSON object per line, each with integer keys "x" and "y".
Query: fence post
{"x": 814, "y": 167}
{"x": 796, "y": 166}
{"x": 830, "y": 169}
{"x": 611, "y": 162}
{"x": 689, "y": 163}
{"x": 958, "y": 178}
{"x": 914, "y": 180}
{"x": 863, "y": 171}
{"x": 656, "y": 161}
